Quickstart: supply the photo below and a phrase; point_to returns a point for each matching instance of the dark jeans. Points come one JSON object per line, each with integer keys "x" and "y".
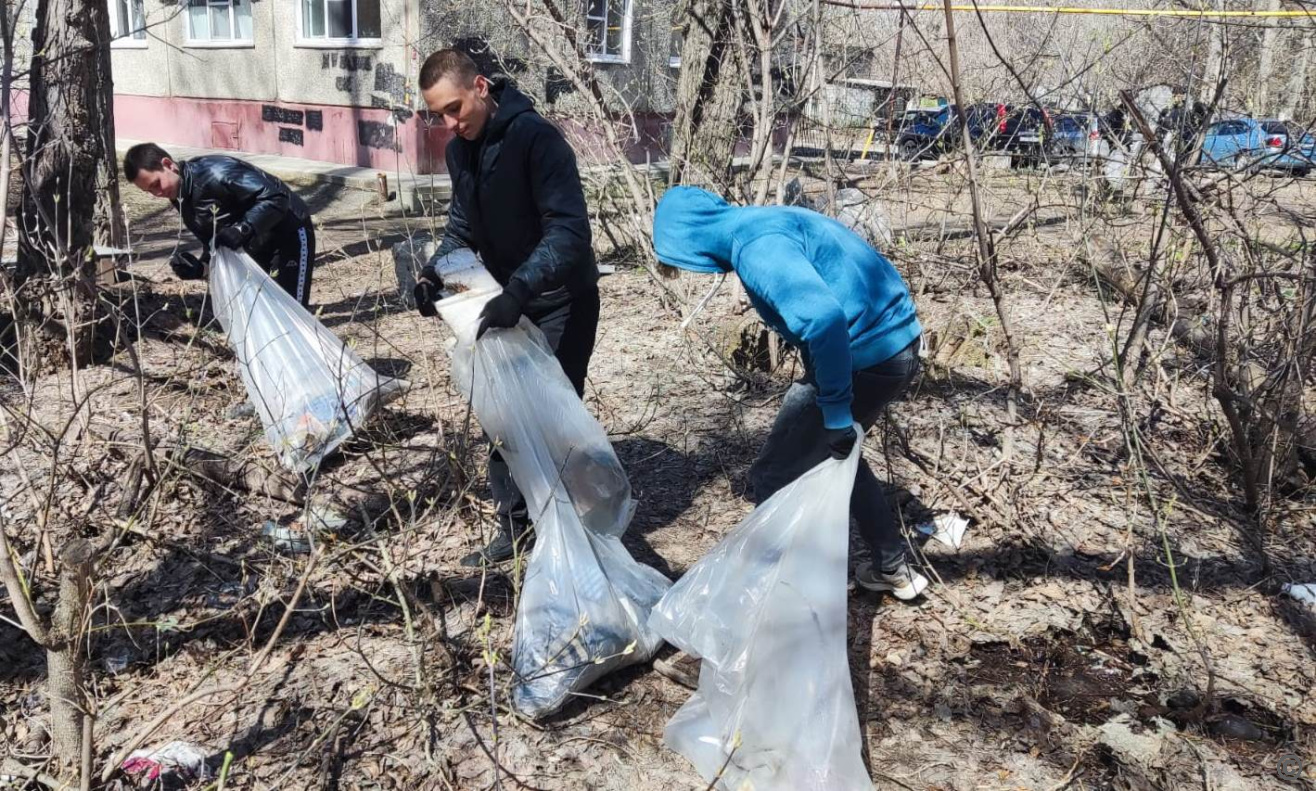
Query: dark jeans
{"x": 570, "y": 332}
{"x": 292, "y": 261}
{"x": 796, "y": 445}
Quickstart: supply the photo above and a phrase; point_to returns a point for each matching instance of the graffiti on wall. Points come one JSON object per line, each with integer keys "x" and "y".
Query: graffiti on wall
{"x": 392, "y": 92}
{"x": 376, "y": 134}
{"x": 347, "y": 61}
{"x": 271, "y": 114}
{"x": 290, "y": 122}
{"x": 356, "y": 74}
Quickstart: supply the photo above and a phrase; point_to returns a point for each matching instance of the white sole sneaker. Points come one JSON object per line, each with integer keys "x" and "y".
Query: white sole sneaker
{"x": 905, "y": 586}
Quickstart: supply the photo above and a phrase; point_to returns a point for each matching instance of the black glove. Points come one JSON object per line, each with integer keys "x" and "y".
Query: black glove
{"x": 426, "y": 292}
{"x": 503, "y": 310}
{"x": 187, "y": 266}
{"x": 234, "y": 237}
{"x": 840, "y": 441}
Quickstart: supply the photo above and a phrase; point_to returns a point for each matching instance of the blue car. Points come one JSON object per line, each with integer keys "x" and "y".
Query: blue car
{"x": 924, "y": 133}
{"x": 1258, "y": 144}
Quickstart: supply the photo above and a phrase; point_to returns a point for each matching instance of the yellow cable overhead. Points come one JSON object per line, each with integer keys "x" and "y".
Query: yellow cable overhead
{"x": 1204, "y": 13}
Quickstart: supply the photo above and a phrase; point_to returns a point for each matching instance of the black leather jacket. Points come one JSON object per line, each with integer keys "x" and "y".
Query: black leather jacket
{"x": 518, "y": 202}
{"x": 218, "y": 191}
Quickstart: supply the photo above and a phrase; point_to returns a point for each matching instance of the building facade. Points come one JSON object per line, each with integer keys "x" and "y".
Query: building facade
{"x": 335, "y": 80}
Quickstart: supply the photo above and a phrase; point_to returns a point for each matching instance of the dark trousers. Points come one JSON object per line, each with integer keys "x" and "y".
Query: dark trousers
{"x": 796, "y": 445}
{"x": 570, "y": 332}
{"x": 292, "y": 261}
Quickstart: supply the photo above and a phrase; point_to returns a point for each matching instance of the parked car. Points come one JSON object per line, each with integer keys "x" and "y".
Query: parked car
{"x": 1295, "y": 139}
{"x": 1022, "y": 132}
{"x": 986, "y": 122}
{"x": 925, "y": 133}
{"x": 1076, "y": 138}
{"x": 1248, "y": 143}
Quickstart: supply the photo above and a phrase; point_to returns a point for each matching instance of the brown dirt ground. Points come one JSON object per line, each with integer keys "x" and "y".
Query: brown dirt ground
{"x": 1042, "y": 659}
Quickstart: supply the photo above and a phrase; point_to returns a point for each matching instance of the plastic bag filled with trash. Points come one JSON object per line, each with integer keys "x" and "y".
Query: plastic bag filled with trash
{"x": 585, "y": 601}
{"x": 766, "y": 612}
{"x": 309, "y": 388}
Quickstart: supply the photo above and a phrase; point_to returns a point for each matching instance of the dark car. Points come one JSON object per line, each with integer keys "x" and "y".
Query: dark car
{"x": 987, "y": 122}
{"x": 1023, "y": 133}
{"x": 992, "y": 126}
{"x": 925, "y": 134}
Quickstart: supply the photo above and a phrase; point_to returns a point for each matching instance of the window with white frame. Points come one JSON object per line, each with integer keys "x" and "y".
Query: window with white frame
{"x": 340, "y": 20}
{"x": 608, "y": 30}
{"x": 127, "y": 22}
{"x": 219, "y": 21}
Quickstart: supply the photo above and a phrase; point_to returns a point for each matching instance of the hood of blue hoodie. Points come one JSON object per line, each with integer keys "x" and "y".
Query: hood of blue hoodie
{"x": 694, "y": 229}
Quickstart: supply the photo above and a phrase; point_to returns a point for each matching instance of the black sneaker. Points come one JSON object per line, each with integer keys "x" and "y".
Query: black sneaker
{"x": 501, "y": 549}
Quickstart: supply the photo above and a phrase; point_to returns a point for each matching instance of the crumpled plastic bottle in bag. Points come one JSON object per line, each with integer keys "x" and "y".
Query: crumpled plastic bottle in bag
{"x": 766, "y": 612}
{"x": 310, "y": 390}
{"x": 585, "y": 601}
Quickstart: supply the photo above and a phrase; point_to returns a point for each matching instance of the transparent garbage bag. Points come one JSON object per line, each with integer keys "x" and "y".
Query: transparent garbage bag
{"x": 766, "y": 612}
{"x": 310, "y": 390}
{"x": 585, "y": 601}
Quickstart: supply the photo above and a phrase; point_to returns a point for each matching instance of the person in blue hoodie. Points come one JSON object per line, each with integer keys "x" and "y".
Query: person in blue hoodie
{"x": 848, "y": 312}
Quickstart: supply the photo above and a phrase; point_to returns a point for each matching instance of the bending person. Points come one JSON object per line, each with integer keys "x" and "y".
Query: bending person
{"x": 846, "y": 309}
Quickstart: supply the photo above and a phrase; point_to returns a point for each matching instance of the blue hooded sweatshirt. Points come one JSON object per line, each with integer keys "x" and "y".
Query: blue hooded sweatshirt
{"x": 811, "y": 279}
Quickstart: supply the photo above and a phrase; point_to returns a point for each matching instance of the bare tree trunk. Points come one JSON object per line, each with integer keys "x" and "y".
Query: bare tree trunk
{"x": 708, "y": 96}
{"x": 62, "y": 638}
{"x": 765, "y": 115}
{"x": 67, "y": 135}
{"x": 65, "y": 655}
{"x": 1297, "y": 73}
{"x": 1266, "y": 57}
{"x": 1215, "y": 53}
{"x": 111, "y": 229}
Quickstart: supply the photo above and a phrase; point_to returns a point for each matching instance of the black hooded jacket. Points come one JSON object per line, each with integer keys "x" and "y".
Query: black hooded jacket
{"x": 217, "y": 191}
{"x": 518, "y": 203}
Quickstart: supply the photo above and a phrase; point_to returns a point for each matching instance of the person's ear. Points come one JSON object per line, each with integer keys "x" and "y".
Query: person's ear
{"x": 481, "y": 85}
{"x": 168, "y": 164}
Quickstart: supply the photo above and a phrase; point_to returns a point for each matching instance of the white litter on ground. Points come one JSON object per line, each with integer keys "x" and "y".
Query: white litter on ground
{"x": 946, "y": 528}
{"x": 1305, "y": 593}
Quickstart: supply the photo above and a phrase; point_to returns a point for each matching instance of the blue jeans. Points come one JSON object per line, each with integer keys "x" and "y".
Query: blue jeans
{"x": 796, "y": 445}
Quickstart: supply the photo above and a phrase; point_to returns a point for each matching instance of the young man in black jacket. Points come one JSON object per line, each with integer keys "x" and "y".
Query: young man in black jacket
{"x": 236, "y": 204}
{"x": 518, "y": 203}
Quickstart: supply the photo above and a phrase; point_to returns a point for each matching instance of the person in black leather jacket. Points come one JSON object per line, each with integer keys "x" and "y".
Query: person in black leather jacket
{"x": 518, "y": 203}
{"x": 236, "y": 205}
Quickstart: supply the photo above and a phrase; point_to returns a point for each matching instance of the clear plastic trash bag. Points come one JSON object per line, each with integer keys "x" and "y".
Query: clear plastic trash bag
{"x": 310, "y": 390}
{"x": 766, "y": 612}
{"x": 585, "y": 601}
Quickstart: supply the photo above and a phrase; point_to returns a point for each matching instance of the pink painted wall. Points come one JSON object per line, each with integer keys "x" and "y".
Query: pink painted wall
{"x": 357, "y": 136}
{"x": 647, "y": 138}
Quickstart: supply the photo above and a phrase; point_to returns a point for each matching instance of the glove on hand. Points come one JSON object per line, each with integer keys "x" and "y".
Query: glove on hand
{"x": 840, "y": 441}
{"x": 503, "y": 310}
{"x": 234, "y": 237}
{"x": 426, "y": 292}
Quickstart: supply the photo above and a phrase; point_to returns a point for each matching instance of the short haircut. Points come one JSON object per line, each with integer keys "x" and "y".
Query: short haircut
{"x": 143, "y": 157}
{"x": 448, "y": 63}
